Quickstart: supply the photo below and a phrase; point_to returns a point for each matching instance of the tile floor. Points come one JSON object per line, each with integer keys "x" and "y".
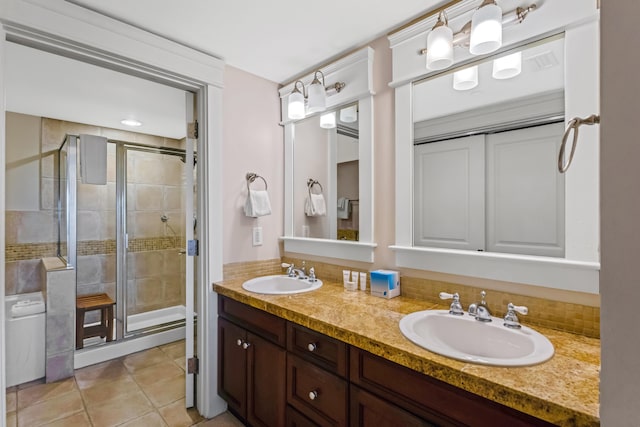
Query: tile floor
{"x": 142, "y": 389}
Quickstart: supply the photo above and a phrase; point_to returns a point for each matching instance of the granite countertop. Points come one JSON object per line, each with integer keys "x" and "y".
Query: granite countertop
{"x": 563, "y": 390}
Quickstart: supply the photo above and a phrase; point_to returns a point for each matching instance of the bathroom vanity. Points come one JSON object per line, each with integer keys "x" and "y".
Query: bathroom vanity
{"x": 332, "y": 357}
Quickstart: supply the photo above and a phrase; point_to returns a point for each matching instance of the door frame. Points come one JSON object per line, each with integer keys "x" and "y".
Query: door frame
{"x": 67, "y": 29}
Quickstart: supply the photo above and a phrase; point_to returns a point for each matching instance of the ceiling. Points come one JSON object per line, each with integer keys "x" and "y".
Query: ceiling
{"x": 276, "y": 40}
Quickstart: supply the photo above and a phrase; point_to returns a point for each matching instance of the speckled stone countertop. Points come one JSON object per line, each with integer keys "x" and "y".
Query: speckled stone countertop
{"x": 563, "y": 390}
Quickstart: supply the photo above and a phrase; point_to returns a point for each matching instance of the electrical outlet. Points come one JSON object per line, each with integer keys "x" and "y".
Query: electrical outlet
{"x": 305, "y": 231}
{"x": 257, "y": 236}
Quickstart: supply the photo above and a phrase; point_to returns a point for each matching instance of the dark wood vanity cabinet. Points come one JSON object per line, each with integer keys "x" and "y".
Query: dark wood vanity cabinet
{"x": 276, "y": 373}
{"x": 252, "y": 363}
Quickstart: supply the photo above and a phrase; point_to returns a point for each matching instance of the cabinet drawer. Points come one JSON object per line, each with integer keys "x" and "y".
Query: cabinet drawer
{"x": 429, "y": 398}
{"x": 328, "y": 353}
{"x": 296, "y": 419}
{"x": 260, "y": 322}
{"x": 368, "y": 410}
{"x": 316, "y": 393}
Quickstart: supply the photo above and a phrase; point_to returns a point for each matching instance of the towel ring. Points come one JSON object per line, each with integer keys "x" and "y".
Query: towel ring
{"x": 311, "y": 182}
{"x": 573, "y": 124}
{"x": 252, "y": 176}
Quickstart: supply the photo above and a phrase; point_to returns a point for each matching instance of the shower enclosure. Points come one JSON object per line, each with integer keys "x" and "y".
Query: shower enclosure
{"x": 127, "y": 238}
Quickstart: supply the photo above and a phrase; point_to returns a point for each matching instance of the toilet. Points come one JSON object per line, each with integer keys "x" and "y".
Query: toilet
{"x": 25, "y": 337}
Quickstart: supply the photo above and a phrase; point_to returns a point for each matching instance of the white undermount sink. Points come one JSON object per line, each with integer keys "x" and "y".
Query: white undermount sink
{"x": 280, "y": 285}
{"x": 464, "y": 338}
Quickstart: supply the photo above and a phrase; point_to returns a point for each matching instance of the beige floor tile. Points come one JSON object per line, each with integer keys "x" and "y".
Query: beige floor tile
{"x": 176, "y": 415}
{"x": 165, "y": 370}
{"x": 50, "y": 410}
{"x": 164, "y": 392}
{"x": 81, "y": 419}
{"x": 100, "y": 394}
{"x": 226, "y": 419}
{"x": 181, "y": 362}
{"x": 41, "y": 392}
{"x": 119, "y": 411}
{"x": 152, "y": 419}
{"x": 144, "y": 359}
{"x": 12, "y": 397}
{"x": 106, "y": 371}
{"x": 174, "y": 350}
{"x": 12, "y": 419}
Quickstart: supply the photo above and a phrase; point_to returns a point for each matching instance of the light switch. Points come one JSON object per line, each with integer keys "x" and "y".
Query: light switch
{"x": 257, "y": 236}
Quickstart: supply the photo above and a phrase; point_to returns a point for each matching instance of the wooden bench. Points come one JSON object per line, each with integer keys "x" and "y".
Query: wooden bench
{"x": 86, "y": 303}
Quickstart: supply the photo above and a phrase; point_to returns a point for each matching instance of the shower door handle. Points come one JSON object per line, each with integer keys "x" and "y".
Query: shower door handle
{"x": 126, "y": 240}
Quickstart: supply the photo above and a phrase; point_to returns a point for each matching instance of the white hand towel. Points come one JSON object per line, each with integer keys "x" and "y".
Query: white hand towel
{"x": 93, "y": 159}
{"x": 257, "y": 204}
{"x": 344, "y": 208}
{"x": 315, "y": 205}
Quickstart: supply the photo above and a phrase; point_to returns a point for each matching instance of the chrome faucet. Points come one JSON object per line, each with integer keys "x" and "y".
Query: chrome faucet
{"x": 292, "y": 271}
{"x": 312, "y": 275}
{"x": 455, "y": 307}
{"x": 480, "y": 310}
{"x": 511, "y": 318}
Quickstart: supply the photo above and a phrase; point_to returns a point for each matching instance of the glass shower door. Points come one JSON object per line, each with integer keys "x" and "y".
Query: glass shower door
{"x": 154, "y": 238}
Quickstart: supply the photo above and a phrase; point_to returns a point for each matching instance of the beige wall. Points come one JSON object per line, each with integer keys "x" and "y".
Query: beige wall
{"x": 620, "y": 213}
{"x": 253, "y": 142}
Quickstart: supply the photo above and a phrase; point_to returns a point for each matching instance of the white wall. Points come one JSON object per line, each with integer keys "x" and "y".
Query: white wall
{"x": 620, "y": 213}
{"x": 253, "y": 142}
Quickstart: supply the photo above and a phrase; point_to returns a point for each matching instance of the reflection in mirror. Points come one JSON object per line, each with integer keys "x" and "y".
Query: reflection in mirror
{"x": 485, "y": 147}
{"x": 325, "y": 171}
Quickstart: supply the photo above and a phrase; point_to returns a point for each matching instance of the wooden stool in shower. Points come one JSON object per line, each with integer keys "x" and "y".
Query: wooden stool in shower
{"x": 86, "y": 303}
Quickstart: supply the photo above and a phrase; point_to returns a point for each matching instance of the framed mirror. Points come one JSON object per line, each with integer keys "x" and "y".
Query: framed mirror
{"x": 328, "y": 167}
{"x": 478, "y": 192}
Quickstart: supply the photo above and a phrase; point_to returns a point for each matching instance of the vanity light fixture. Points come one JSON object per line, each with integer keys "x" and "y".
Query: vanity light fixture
{"x": 296, "y": 102}
{"x": 349, "y": 114}
{"x": 440, "y": 44}
{"x": 131, "y": 122}
{"x": 508, "y": 66}
{"x": 486, "y": 29}
{"x": 315, "y": 94}
{"x": 465, "y": 79}
{"x": 328, "y": 120}
{"x": 483, "y": 34}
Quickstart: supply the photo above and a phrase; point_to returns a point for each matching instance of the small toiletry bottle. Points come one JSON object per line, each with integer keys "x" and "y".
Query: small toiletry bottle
{"x": 354, "y": 278}
{"x": 363, "y": 281}
{"x": 346, "y": 276}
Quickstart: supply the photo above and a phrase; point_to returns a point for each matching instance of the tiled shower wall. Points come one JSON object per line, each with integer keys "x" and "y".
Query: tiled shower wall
{"x": 155, "y": 183}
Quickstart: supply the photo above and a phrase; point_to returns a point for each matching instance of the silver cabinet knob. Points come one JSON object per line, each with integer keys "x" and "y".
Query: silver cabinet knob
{"x": 239, "y": 342}
{"x": 312, "y": 346}
{"x": 246, "y": 345}
{"x": 313, "y": 395}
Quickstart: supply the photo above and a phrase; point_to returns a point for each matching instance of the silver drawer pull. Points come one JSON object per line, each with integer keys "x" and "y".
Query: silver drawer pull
{"x": 246, "y": 345}
{"x": 312, "y": 346}
{"x": 313, "y": 395}
{"x": 239, "y": 342}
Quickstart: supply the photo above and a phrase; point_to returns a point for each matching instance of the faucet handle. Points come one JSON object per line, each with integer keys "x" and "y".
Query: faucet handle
{"x": 511, "y": 318}
{"x": 289, "y": 268}
{"x": 312, "y": 275}
{"x": 456, "y": 307}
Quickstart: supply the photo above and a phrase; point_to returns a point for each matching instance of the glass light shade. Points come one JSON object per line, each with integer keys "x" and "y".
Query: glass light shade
{"x": 440, "y": 48}
{"x": 317, "y": 98}
{"x": 349, "y": 114}
{"x": 328, "y": 121}
{"x": 466, "y": 79}
{"x": 296, "y": 106}
{"x": 508, "y": 66}
{"x": 486, "y": 30}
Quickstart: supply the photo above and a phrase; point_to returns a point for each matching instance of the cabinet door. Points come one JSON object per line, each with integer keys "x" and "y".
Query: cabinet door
{"x": 525, "y": 192}
{"x": 449, "y": 194}
{"x": 232, "y": 366}
{"x": 266, "y": 382}
{"x": 368, "y": 410}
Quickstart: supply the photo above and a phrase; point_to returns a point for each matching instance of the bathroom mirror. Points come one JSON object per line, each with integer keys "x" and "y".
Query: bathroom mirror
{"x": 325, "y": 170}
{"x": 476, "y": 169}
{"x": 332, "y": 164}
{"x": 485, "y": 173}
